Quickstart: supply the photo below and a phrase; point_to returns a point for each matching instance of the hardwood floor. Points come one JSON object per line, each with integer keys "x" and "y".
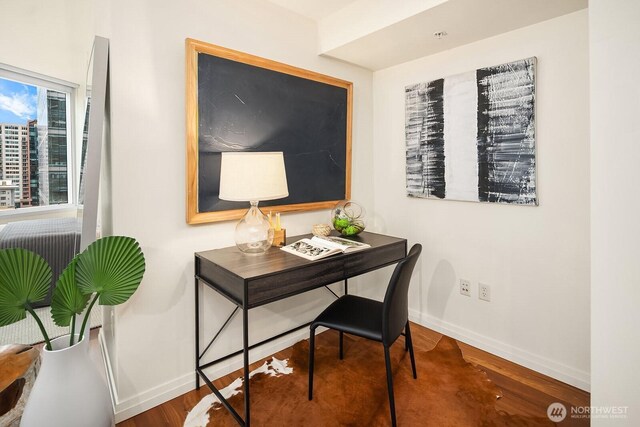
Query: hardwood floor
{"x": 525, "y": 392}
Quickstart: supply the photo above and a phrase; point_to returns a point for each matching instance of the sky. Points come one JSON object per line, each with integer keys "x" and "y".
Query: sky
{"x": 17, "y": 102}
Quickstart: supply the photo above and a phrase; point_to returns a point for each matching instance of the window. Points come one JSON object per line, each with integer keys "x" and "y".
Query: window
{"x": 36, "y": 139}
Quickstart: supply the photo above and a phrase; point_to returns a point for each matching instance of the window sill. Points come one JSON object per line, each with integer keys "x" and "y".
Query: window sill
{"x": 38, "y": 212}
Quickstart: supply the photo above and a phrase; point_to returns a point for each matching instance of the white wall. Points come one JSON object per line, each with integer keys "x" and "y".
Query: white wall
{"x": 53, "y": 38}
{"x": 536, "y": 259}
{"x": 154, "y": 342}
{"x": 615, "y": 206}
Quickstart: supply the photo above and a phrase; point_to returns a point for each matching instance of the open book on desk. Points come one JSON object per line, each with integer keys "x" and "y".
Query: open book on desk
{"x": 322, "y": 247}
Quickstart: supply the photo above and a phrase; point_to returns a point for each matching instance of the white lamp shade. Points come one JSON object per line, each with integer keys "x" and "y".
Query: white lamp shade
{"x": 246, "y": 177}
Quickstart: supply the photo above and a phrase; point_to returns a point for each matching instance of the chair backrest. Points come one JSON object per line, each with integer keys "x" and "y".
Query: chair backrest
{"x": 395, "y": 309}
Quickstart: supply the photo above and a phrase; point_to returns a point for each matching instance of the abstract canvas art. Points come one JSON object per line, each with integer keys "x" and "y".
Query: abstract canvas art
{"x": 472, "y": 136}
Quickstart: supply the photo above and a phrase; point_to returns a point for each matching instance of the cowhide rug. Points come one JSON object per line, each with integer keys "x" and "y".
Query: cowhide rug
{"x": 449, "y": 391}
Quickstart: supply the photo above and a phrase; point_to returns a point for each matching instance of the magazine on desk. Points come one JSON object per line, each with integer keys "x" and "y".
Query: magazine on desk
{"x": 322, "y": 247}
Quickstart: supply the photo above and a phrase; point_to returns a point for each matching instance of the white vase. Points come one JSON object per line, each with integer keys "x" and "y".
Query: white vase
{"x": 69, "y": 391}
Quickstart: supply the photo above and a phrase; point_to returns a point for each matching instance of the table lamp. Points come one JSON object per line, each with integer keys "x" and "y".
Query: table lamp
{"x": 253, "y": 177}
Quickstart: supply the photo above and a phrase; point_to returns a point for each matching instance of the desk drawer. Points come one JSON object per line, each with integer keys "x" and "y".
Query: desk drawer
{"x": 221, "y": 280}
{"x": 277, "y": 286}
{"x": 360, "y": 262}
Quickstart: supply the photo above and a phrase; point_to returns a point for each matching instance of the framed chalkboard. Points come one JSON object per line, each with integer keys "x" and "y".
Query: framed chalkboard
{"x": 240, "y": 102}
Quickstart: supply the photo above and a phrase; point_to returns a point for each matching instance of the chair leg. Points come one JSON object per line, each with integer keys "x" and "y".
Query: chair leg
{"x": 341, "y": 339}
{"x": 312, "y": 337}
{"x": 409, "y": 343}
{"x": 392, "y": 404}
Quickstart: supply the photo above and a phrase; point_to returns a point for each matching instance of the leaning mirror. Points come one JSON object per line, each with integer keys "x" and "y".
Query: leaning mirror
{"x": 50, "y": 158}
{"x": 92, "y": 136}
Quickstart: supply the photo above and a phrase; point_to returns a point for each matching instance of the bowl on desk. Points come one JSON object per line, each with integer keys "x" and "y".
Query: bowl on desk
{"x": 347, "y": 218}
{"x": 321, "y": 229}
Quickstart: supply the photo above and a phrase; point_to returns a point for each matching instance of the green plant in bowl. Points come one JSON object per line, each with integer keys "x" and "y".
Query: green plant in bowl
{"x": 347, "y": 218}
{"x": 352, "y": 230}
{"x": 340, "y": 223}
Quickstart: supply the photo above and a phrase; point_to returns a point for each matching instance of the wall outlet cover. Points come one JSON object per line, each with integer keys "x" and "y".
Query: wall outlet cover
{"x": 484, "y": 292}
{"x": 465, "y": 287}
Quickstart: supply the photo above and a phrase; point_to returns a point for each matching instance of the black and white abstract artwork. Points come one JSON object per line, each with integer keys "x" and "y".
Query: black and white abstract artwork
{"x": 472, "y": 136}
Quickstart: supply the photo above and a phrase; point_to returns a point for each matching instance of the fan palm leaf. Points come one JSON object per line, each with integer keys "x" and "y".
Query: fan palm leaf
{"x": 111, "y": 267}
{"x": 67, "y": 299}
{"x": 24, "y": 279}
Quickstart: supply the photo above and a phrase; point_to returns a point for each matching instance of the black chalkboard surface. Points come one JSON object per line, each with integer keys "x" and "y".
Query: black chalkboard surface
{"x": 242, "y": 106}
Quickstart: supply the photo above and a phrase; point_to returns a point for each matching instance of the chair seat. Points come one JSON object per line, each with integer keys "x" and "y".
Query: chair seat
{"x": 354, "y": 315}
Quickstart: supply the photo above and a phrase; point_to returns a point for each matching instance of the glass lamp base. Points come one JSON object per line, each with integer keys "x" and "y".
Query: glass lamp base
{"x": 254, "y": 234}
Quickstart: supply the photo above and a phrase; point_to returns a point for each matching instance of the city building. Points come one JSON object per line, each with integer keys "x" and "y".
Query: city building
{"x": 12, "y": 139}
{"x": 25, "y": 197}
{"x": 33, "y": 162}
{"x": 52, "y": 147}
{"x": 34, "y": 156}
{"x": 7, "y": 194}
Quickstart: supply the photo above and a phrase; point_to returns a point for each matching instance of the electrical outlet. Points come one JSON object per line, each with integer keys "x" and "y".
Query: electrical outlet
{"x": 484, "y": 292}
{"x": 465, "y": 287}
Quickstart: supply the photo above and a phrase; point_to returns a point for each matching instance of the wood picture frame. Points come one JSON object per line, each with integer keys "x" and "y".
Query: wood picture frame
{"x": 315, "y": 94}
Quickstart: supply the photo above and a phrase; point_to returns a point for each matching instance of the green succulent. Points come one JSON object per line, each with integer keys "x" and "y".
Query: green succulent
{"x": 340, "y": 223}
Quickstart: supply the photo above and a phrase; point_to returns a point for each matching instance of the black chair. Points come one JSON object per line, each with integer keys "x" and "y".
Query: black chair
{"x": 378, "y": 321}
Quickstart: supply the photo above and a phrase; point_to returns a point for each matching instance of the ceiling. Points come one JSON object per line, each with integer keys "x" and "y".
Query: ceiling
{"x": 314, "y": 9}
{"x": 377, "y": 34}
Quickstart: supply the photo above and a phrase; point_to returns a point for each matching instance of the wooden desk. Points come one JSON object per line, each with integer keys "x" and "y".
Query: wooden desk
{"x": 251, "y": 281}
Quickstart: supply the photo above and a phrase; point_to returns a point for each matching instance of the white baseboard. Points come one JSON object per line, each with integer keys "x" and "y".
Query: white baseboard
{"x": 153, "y": 397}
{"x": 107, "y": 368}
{"x": 130, "y": 407}
{"x": 559, "y": 371}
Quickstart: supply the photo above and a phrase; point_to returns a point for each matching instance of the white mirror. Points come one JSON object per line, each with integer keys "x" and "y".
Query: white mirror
{"x": 92, "y": 136}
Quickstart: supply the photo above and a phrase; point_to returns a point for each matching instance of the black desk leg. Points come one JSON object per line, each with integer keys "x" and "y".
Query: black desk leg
{"x": 346, "y": 287}
{"x": 245, "y": 340}
{"x": 197, "y": 286}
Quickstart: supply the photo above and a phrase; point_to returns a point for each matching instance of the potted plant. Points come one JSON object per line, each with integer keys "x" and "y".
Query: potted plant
{"x": 69, "y": 390}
